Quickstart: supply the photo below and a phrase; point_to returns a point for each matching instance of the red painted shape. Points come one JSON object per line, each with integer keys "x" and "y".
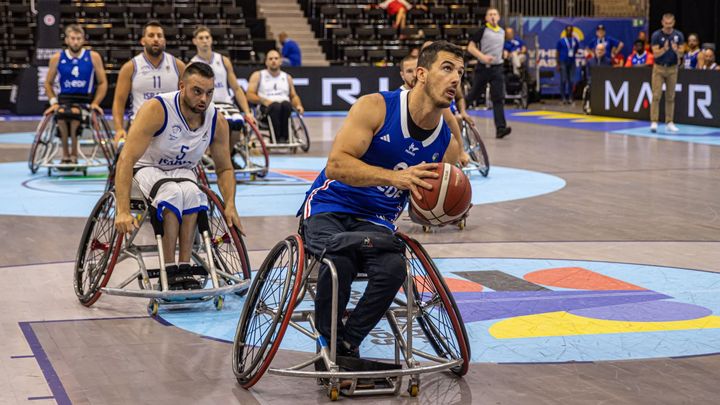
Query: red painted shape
{"x": 308, "y": 175}
{"x": 454, "y": 284}
{"x": 578, "y": 278}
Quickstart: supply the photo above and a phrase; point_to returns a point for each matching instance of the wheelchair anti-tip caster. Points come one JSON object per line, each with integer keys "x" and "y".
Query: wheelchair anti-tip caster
{"x": 461, "y": 224}
{"x": 427, "y": 228}
{"x": 333, "y": 394}
{"x": 218, "y": 301}
{"x": 153, "y": 307}
{"x": 413, "y": 389}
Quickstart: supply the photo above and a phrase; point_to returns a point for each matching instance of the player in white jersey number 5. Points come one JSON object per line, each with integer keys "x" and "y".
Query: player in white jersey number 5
{"x": 166, "y": 141}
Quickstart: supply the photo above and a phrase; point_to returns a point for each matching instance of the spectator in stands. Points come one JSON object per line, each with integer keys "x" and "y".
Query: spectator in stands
{"x": 514, "y": 50}
{"x": 708, "y": 60}
{"x": 599, "y": 58}
{"x": 567, "y": 49}
{"x": 291, "y": 55}
{"x": 78, "y": 69}
{"x": 692, "y": 52}
{"x": 640, "y": 57}
{"x": 398, "y": 9}
{"x": 611, "y": 43}
{"x": 667, "y": 47}
{"x": 407, "y": 72}
{"x": 414, "y": 52}
{"x": 487, "y": 46}
{"x": 274, "y": 91}
{"x": 618, "y": 60}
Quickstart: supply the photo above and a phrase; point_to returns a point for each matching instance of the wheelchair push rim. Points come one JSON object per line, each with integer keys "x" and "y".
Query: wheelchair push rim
{"x": 42, "y": 142}
{"x": 475, "y": 147}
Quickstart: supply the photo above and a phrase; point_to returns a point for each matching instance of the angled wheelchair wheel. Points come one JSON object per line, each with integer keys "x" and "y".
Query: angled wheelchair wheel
{"x": 267, "y": 311}
{"x": 229, "y": 251}
{"x": 476, "y": 149}
{"x": 42, "y": 143}
{"x": 252, "y": 152}
{"x": 98, "y": 251}
{"x": 103, "y": 137}
{"x": 300, "y": 131}
{"x": 438, "y": 315}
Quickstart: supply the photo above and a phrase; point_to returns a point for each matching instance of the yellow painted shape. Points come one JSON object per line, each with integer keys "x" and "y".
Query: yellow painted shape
{"x": 579, "y": 118}
{"x": 563, "y": 323}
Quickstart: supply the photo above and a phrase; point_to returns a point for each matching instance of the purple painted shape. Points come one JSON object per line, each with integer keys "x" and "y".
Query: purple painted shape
{"x": 56, "y": 386}
{"x": 482, "y": 306}
{"x": 653, "y": 311}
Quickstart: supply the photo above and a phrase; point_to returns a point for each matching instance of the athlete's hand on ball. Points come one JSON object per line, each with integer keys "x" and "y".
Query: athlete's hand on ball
{"x": 51, "y": 109}
{"x": 232, "y": 217}
{"x": 412, "y": 177}
{"x": 125, "y": 222}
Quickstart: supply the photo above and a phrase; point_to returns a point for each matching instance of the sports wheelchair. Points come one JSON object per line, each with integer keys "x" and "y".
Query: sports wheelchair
{"x": 424, "y": 321}
{"x": 298, "y": 136}
{"x": 95, "y": 144}
{"x": 475, "y": 147}
{"x": 250, "y": 152}
{"x": 219, "y": 256}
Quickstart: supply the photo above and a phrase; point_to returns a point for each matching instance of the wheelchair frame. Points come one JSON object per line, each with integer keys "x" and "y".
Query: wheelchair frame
{"x": 297, "y": 283}
{"x": 296, "y": 125}
{"x": 116, "y": 249}
{"x": 46, "y": 144}
{"x": 475, "y": 147}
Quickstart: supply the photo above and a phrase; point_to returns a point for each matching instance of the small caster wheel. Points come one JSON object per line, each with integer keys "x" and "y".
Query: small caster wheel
{"x": 153, "y": 307}
{"x": 333, "y": 394}
{"x": 218, "y": 301}
{"x": 426, "y": 228}
{"x": 84, "y": 172}
{"x": 461, "y": 225}
{"x": 253, "y": 177}
{"x": 413, "y": 390}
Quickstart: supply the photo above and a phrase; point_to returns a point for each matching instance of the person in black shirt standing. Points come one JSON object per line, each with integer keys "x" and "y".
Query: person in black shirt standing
{"x": 487, "y": 46}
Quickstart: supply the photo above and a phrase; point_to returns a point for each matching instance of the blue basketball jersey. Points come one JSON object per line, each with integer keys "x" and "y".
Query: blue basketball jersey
{"x": 639, "y": 59}
{"x": 76, "y": 75}
{"x": 391, "y": 148}
{"x": 690, "y": 59}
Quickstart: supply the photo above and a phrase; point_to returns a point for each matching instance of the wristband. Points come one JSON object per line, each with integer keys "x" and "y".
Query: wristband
{"x": 53, "y": 101}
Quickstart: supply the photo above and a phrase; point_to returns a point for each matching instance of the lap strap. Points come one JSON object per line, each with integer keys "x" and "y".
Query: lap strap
{"x": 364, "y": 241}
{"x": 156, "y": 186}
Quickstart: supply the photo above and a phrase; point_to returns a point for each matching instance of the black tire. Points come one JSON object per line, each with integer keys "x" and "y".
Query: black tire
{"x": 275, "y": 286}
{"x": 229, "y": 251}
{"x": 42, "y": 142}
{"x": 438, "y": 315}
{"x": 98, "y": 251}
{"x": 103, "y": 137}
{"x": 475, "y": 147}
{"x": 300, "y": 131}
{"x": 252, "y": 153}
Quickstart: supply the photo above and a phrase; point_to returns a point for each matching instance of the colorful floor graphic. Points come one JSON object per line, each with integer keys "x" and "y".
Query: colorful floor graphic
{"x": 527, "y": 311}
{"x": 280, "y": 193}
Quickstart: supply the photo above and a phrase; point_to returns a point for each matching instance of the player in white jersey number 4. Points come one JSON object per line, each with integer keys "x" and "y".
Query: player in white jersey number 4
{"x": 166, "y": 141}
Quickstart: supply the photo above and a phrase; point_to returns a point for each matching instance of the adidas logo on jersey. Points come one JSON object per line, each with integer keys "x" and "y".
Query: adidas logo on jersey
{"x": 412, "y": 149}
{"x": 386, "y": 138}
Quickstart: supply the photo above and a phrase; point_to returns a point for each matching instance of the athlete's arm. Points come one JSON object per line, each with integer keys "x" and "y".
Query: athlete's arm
{"x": 122, "y": 90}
{"x": 352, "y": 141}
{"x": 49, "y": 80}
{"x": 239, "y": 93}
{"x": 181, "y": 69}
{"x": 149, "y": 120}
{"x": 220, "y": 151}
{"x": 102, "y": 83}
{"x": 294, "y": 98}
{"x": 252, "y": 93}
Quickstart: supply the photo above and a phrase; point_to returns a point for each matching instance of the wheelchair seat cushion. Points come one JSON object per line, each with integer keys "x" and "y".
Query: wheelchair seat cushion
{"x": 363, "y": 241}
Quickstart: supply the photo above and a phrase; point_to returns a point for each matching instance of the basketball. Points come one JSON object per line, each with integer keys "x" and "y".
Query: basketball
{"x": 448, "y": 200}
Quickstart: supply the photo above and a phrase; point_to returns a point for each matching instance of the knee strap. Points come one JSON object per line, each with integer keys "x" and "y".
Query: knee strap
{"x": 364, "y": 241}
{"x": 67, "y": 114}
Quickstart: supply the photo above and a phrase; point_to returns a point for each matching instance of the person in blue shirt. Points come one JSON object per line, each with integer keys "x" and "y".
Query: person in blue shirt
{"x": 514, "y": 50}
{"x": 692, "y": 52}
{"x": 389, "y": 145}
{"x": 612, "y": 44}
{"x": 567, "y": 49}
{"x": 600, "y": 58}
{"x": 81, "y": 73}
{"x": 667, "y": 47}
{"x": 290, "y": 51}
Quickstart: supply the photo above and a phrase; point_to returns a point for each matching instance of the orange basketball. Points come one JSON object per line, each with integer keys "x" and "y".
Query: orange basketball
{"x": 448, "y": 200}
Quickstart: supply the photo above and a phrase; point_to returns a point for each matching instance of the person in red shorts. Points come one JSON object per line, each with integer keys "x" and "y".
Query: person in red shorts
{"x": 399, "y": 9}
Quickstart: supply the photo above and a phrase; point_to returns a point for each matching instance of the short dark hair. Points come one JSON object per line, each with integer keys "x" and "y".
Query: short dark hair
{"x": 407, "y": 58}
{"x": 428, "y": 56}
{"x": 272, "y": 50}
{"x": 152, "y": 23}
{"x": 668, "y": 16}
{"x": 200, "y": 68}
{"x": 199, "y": 29}
{"x": 639, "y": 41}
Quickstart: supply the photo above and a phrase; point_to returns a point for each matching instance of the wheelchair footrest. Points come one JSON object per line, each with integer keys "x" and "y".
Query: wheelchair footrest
{"x": 357, "y": 364}
{"x": 193, "y": 271}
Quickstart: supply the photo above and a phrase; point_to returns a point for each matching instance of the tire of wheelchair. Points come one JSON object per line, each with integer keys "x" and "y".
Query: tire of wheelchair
{"x": 103, "y": 215}
{"x": 478, "y": 152}
{"x": 438, "y": 335}
{"x": 300, "y": 131}
{"x": 253, "y": 136}
{"x": 227, "y": 235}
{"x": 42, "y": 142}
{"x": 249, "y": 369}
{"x": 103, "y": 137}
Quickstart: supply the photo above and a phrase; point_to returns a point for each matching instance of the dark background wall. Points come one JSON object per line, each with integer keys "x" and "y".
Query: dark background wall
{"x": 698, "y": 16}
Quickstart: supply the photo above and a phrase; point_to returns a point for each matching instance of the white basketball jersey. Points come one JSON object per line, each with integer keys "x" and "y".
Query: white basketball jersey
{"x": 274, "y": 88}
{"x": 175, "y": 145}
{"x": 149, "y": 81}
{"x": 222, "y": 93}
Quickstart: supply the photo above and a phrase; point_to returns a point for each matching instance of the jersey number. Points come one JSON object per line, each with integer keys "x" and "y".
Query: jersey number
{"x": 75, "y": 71}
{"x": 156, "y": 82}
{"x": 183, "y": 149}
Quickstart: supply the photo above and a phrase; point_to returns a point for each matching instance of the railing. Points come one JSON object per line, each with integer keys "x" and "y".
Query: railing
{"x": 573, "y": 8}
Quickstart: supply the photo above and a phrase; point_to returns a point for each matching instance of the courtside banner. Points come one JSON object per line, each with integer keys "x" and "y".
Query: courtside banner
{"x": 334, "y": 88}
{"x": 627, "y": 93}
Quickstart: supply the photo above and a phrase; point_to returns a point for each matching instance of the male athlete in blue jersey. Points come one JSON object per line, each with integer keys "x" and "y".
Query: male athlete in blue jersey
{"x": 77, "y": 69}
{"x": 388, "y": 144}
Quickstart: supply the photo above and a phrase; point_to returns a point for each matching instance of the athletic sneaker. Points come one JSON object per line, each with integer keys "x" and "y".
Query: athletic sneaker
{"x": 653, "y": 127}
{"x": 670, "y": 127}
